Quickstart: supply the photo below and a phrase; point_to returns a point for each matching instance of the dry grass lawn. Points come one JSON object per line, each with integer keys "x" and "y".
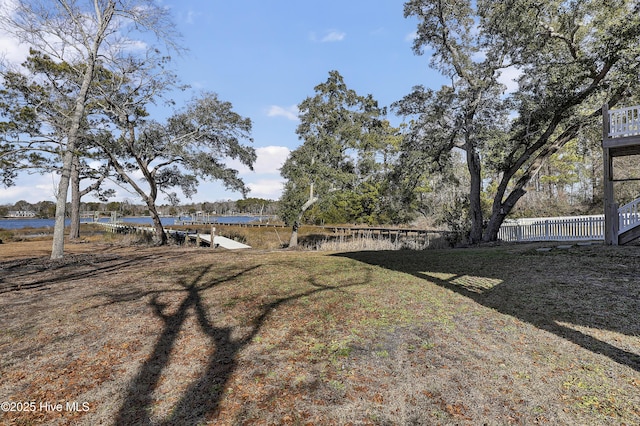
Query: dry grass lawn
{"x": 162, "y": 336}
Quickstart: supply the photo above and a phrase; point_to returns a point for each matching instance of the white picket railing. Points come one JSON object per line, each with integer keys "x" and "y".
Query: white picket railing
{"x": 624, "y": 122}
{"x": 570, "y": 228}
{"x": 629, "y": 216}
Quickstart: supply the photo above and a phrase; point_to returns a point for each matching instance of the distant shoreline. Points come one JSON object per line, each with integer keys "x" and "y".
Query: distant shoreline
{"x": 25, "y": 222}
{"x": 24, "y": 218}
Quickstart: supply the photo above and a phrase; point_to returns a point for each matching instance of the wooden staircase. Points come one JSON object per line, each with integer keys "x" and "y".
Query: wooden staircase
{"x": 620, "y": 138}
{"x": 629, "y": 222}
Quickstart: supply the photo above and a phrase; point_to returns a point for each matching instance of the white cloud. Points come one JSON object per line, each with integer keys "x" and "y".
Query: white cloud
{"x": 270, "y": 189}
{"x": 270, "y": 159}
{"x": 60, "y": 46}
{"x": 268, "y": 162}
{"x": 130, "y": 45}
{"x": 330, "y": 36}
{"x": 290, "y": 113}
{"x": 31, "y": 188}
{"x": 11, "y": 50}
{"x": 262, "y": 182}
{"x": 333, "y": 35}
{"x": 509, "y": 77}
{"x": 95, "y": 164}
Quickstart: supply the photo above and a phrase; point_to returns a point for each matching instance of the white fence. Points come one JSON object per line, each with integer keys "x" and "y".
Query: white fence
{"x": 624, "y": 121}
{"x": 570, "y": 228}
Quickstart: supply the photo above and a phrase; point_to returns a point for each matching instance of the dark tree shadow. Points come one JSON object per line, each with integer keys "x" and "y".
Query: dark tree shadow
{"x": 64, "y": 271}
{"x": 202, "y": 398}
{"x": 193, "y": 406}
{"x": 543, "y": 305}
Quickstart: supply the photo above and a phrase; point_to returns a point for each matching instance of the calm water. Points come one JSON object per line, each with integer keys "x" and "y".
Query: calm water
{"x": 167, "y": 221}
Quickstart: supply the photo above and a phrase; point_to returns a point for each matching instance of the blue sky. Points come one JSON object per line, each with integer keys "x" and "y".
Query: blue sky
{"x": 265, "y": 57}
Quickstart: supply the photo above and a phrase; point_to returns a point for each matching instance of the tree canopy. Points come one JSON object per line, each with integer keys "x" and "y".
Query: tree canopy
{"x": 191, "y": 146}
{"x": 341, "y": 133}
{"x": 86, "y": 95}
{"x": 571, "y": 57}
{"x": 82, "y": 35}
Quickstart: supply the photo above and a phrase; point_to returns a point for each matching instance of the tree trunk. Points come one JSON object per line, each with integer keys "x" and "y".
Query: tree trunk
{"x": 57, "y": 248}
{"x": 159, "y": 237}
{"x": 293, "y": 240}
{"x": 74, "y": 227}
{"x": 493, "y": 227}
{"x": 501, "y": 209}
{"x": 499, "y": 213}
{"x": 475, "y": 205}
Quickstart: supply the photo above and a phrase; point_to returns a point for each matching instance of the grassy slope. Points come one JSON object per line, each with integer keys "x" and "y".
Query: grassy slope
{"x": 500, "y": 335}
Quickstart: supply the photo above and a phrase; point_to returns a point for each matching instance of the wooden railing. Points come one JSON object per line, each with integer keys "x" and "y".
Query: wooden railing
{"x": 624, "y": 122}
{"x": 121, "y": 227}
{"x": 629, "y": 216}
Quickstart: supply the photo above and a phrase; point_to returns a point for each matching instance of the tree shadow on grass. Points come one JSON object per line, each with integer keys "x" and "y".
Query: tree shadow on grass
{"x": 201, "y": 399}
{"x": 41, "y": 273}
{"x": 552, "y": 299}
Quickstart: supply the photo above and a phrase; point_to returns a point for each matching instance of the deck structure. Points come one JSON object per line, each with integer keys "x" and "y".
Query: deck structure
{"x": 620, "y": 137}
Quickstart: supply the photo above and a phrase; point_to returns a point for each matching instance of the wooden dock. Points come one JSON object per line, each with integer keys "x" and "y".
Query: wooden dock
{"x": 396, "y": 235}
{"x": 367, "y": 231}
{"x": 218, "y": 241}
{"x": 209, "y": 219}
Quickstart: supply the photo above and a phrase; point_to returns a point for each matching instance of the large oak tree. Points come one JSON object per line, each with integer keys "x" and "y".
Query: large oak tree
{"x": 339, "y": 130}
{"x": 193, "y": 145}
{"x": 571, "y": 57}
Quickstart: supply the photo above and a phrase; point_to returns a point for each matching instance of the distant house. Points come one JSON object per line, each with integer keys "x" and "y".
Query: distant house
{"x": 21, "y": 213}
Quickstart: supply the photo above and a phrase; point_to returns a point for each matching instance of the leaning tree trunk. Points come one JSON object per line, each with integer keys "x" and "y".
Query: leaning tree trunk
{"x": 499, "y": 213}
{"x": 501, "y": 209}
{"x": 159, "y": 236}
{"x": 57, "y": 248}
